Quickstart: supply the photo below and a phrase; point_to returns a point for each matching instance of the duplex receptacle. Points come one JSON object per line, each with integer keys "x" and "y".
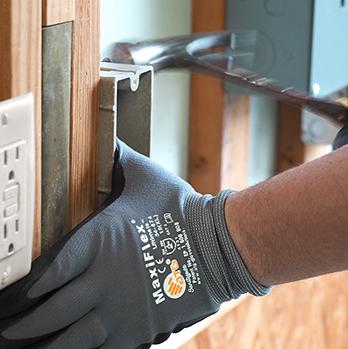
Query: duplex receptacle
{"x": 17, "y": 181}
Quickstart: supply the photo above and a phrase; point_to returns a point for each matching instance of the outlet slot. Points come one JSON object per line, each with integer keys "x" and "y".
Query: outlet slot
{"x": 4, "y": 119}
{"x": 17, "y": 226}
{"x": 11, "y": 176}
{"x": 17, "y": 153}
{"x": 11, "y": 248}
{"x": 5, "y": 158}
{"x": 5, "y": 231}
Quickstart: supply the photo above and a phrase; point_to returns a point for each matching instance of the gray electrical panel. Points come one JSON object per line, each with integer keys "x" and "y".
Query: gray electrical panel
{"x": 301, "y": 43}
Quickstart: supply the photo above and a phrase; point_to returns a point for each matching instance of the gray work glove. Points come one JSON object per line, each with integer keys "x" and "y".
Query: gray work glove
{"x": 157, "y": 257}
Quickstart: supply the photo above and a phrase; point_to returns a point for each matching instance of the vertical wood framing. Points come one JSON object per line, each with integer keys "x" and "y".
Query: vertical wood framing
{"x": 20, "y": 71}
{"x": 57, "y": 11}
{"x": 291, "y": 150}
{"x": 219, "y": 122}
{"x": 234, "y": 173}
{"x": 84, "y": 110}
{"x": 207, "y": 105}
{"x": 206, "y": 127}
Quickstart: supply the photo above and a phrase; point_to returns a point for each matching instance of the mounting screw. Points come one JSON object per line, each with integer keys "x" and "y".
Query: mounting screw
{"x": 4, "y": 119}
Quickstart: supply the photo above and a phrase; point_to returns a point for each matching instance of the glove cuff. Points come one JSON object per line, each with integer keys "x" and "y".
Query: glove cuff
{"x": 226, "y": 273}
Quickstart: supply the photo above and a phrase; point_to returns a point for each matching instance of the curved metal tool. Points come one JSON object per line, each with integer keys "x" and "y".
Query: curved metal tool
{"x": 215, "y": 54}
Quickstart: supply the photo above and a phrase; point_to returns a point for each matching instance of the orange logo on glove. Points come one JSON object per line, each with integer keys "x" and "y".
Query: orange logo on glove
{"x": 174, "y": 284}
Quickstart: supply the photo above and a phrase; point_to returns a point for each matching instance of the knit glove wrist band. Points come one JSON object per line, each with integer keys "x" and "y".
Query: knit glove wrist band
{"x": 225, "y": 271}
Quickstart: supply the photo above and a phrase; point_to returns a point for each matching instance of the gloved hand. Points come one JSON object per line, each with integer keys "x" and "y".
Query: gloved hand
{"x": 157, "y": 257}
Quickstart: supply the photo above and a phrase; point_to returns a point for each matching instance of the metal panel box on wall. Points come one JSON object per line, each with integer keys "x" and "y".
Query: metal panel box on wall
{"x": 301, "y": 43}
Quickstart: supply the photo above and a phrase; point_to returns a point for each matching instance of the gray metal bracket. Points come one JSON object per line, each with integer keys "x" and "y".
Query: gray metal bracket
{"x": 125, "y": 112}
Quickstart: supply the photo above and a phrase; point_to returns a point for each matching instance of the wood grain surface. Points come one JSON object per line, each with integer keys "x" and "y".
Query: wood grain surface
{"x": 309, "y": 314}
{"x": 207, "y": 106}
{"x": 235, "y": 144}
{"x": 291, "y": 150}
{"x": 57, "y": 11}
{"x": 219, "y": 121}
{"x": 84, "y": 110}
{"x": 20, "y": 71}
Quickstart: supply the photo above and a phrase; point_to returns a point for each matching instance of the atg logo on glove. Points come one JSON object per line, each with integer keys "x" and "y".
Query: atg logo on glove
{"x": 174, "y": 284}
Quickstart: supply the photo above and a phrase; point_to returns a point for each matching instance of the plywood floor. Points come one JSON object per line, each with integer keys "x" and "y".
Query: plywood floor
{"x": 310, "y": 314}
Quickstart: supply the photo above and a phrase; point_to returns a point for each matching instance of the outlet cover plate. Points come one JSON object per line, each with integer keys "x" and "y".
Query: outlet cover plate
{"x": 17, "y": 187}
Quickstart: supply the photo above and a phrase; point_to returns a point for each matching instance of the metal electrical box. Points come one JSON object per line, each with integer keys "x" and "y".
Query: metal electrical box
{"x": 302, "y": 43}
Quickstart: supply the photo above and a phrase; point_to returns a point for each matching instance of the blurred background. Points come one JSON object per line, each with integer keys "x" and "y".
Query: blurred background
{"x": 218, "y": 135}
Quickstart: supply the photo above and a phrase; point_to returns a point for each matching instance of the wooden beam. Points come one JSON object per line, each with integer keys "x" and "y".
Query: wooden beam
{"x": 208, "y": 15}
{"x": 291, "y": 150}
{"x": 57, "y": 11}
{"x": 219, "y": 121}
{"x": 20, "y": 71}
{"x": 206, "y": 128}
{"x": 235, "y": 146}
{"x": 84, "y": 110}
{"x": 207, "y": 105}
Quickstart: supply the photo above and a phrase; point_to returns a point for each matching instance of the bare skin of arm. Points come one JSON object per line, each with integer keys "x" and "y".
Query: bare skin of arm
{"x": 295, "y": 225}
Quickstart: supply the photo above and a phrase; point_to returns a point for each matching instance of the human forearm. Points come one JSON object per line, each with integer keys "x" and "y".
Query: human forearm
{"x": 294, "y": 226}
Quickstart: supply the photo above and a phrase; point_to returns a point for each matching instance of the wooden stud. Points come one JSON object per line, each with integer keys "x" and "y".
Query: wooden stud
{"x": 290, "y": 145}
{"x": 207, "y": 105}
{"x": 206, "y": 128}
{"x": 57, "y": 11}
{"x": 291, "y": 150}
{"x": 84, "y": 110}
{"x": 20, "y": 71}
{"x": 235, "y": 146}
{"x": 208, "y": 15}
{"x": 219, "y": 122}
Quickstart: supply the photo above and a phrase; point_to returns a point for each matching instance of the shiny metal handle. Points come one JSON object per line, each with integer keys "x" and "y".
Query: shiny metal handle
{"x": 215, "y": 54}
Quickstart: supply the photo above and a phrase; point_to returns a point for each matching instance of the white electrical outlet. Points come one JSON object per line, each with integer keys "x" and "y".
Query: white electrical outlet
{"x": 17, "y": 187}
